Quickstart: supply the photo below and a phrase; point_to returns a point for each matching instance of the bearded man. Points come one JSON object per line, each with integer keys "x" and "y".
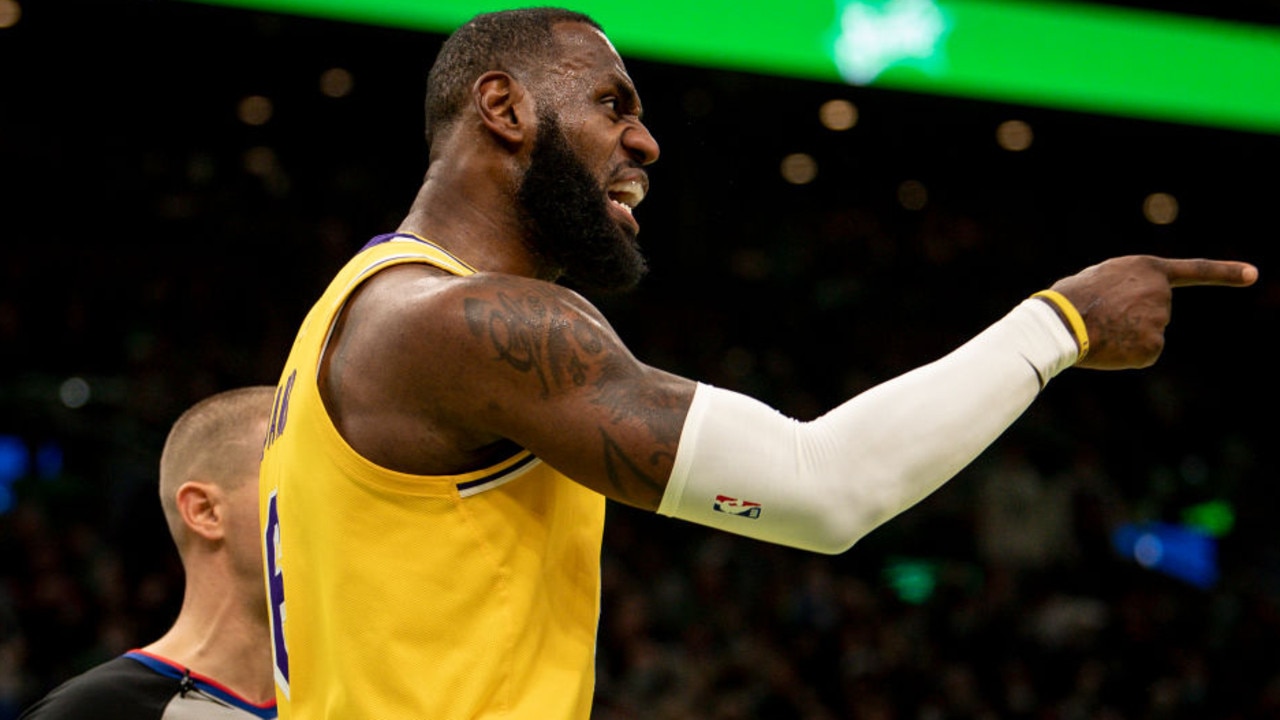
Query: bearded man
{"x": 453, "y": 417}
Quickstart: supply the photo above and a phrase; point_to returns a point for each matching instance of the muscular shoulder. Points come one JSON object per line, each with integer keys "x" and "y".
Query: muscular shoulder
{"x": 435, "y": 299}
{"x": 426, "y": 372}
{"x": 432, "y": 298}
{"x": 437, "y": 319}
{"x": 505, "y": 312}
{"x": 117, "y": 689}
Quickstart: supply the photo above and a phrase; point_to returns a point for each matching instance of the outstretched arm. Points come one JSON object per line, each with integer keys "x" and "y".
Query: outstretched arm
{"x": 483, "y": 362}
{"x": 824, "y": 484}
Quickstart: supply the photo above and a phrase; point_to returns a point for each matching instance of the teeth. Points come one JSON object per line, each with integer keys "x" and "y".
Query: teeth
{"x": 627, "y": 194}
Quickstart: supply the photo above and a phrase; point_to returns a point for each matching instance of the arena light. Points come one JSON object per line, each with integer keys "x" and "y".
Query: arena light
{"x": 1070, "y": 55}
{"x": 1176, "y": 550}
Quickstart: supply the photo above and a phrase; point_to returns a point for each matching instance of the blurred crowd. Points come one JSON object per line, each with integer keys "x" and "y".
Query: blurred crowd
{"x": 942, "y": 614}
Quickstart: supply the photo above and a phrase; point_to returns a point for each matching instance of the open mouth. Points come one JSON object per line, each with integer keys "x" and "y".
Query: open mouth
{"x": 627, "y": 194}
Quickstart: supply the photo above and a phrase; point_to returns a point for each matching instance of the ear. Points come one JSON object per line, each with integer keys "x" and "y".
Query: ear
{"x": 504, "y": 105}
{"x": 200, "y": 506}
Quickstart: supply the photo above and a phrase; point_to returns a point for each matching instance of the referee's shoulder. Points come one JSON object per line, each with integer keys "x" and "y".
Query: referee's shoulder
{"x": 117, "y": 689}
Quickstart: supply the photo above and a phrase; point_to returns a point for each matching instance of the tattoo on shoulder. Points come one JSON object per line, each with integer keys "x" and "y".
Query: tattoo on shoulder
{"x": 542, "y": 334}
{"x": 536, "y": 332}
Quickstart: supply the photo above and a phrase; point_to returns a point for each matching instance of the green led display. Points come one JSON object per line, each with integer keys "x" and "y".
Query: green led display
{"x": 1214, "y": 518}
{"x": 1100, "y": 59}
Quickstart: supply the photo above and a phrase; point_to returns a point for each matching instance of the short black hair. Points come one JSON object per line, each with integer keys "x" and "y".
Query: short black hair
{"x": 506, "y": 40}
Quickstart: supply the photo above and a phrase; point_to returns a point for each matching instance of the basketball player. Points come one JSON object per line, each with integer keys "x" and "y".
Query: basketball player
{"x": 215, "y": 660}
{"x": 451, "y": 419}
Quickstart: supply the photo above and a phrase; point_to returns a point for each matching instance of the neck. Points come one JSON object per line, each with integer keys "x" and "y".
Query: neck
{"x": 219, "y": 635}
{"x": 479, "y": 228}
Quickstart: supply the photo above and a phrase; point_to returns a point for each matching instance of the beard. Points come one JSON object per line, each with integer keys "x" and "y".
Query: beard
{"x": 566, "y": 218}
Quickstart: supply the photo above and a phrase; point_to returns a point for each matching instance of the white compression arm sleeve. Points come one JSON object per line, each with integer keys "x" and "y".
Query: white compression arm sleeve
{"x": 821, "y": 485}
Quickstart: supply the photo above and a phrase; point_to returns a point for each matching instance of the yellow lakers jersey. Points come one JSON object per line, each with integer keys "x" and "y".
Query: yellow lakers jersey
{"x": 408, "y": 597}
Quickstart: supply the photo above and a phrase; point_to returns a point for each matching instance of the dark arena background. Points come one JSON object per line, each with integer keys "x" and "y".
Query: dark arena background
{"x": 178, "y": 181}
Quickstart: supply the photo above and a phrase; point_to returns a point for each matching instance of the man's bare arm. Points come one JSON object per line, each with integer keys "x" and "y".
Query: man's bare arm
{"x": 502, "y": 359}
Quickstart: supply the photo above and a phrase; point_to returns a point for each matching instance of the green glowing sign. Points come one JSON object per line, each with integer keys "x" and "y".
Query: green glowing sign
{"x": 912, "y": 579}
{"x": 1100, "y": 59}
{"x": 1214, "y": 518}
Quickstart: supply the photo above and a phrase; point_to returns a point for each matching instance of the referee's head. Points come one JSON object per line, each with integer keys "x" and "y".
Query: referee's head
{"x": 209, "y": 475}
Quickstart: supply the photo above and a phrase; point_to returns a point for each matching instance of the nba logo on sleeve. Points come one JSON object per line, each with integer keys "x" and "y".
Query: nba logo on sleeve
{"x": 734, "y": 506}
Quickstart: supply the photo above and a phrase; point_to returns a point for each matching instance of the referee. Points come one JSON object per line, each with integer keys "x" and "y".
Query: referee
{"x": 214, "y": 663}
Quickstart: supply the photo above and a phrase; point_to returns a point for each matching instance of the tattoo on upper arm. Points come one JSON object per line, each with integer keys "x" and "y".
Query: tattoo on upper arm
{"x": 535, "y": 333}
{"x": 627, "y": 476}
{"x": 657, "y": 411}
{"x": 540, "y": 334}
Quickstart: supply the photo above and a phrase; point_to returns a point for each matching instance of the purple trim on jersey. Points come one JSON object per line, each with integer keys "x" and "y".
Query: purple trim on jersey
{"x": 209, "y": 686}
{"x": 387, "y": 237}
{"x": 379, "y": 239}
{"x": 494, "y": 476}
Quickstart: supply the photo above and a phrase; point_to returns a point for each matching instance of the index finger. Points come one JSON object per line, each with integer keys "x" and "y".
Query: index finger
{"x": 1199, "y": 271}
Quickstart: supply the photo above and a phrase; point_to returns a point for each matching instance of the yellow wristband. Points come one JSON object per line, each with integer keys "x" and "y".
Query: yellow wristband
{"x": 1073, "y": 318}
